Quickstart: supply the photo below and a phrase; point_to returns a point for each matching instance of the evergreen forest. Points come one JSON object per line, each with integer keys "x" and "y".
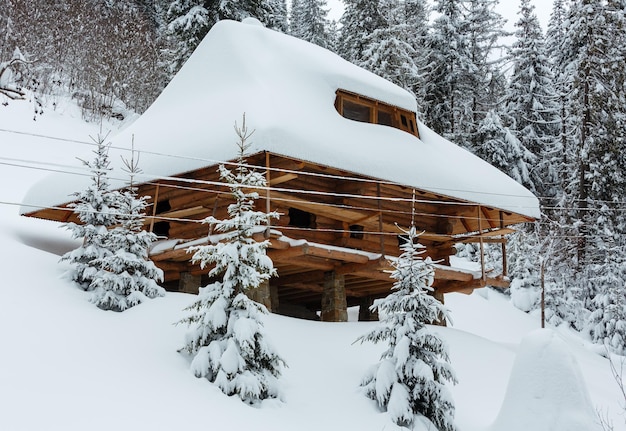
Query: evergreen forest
{"x": 549, "y": 110}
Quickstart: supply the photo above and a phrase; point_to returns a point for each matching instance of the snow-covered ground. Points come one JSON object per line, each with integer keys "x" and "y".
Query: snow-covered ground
{"x": 66, "y": 365}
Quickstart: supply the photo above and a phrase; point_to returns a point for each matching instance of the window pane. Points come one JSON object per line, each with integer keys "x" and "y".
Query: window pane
{"x": 354, "y": 111}
{"x": 384, "y": 118}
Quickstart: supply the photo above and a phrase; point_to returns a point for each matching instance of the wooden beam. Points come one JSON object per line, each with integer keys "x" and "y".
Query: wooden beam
{"x": 155, "y": 202}
{"x": 350, "y": 216}
{"x": 484, "y": 240}
{"x": 344, "y": 255}
{"x": 374, "y": 275}
{"x": 178, "y": 254}
{"x": 486, "y": 235}
{"x": 491, "y": 221}
{"x": 336, "y": 254}
{"x": 168, "y": 266}
{"x": 369, "y": 266}
{"x": 333, "y": 212}
{"x": 504, "y": 259}
{"x": 451, "y": 274}
{"x": 275, "y": 242}
{"x": 307, "y": 277}
{"x": 282, "y": 179}
{"x": 317, "y": 288}
{"x": 185, "y": 212}
{"x": 285, "y": 255}
{"x": 312, "y": 263}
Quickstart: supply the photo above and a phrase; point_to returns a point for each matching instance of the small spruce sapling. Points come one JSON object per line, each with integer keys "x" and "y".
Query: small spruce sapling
{"x": 125, "y": 276}
{"x": 226, "y": 339}
{"x": 97, "y": 209}
{"x": 409, "y": 381}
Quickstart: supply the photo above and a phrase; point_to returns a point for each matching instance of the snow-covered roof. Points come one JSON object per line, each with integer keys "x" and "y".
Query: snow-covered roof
{"x": 286, "y": 88}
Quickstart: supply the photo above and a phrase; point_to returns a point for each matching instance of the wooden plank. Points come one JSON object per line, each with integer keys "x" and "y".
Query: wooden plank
{"x": 178, "y": 254}
{"x": 308, "y": 277}
{"x": 349, "y": 216}
{"x": 344, "y": 255}
{"x": 370, "y": 266}
{"x": 330, "y": 253}
{"x": 484, "y": 240}
{"x": 282, "y": 179}
{"x": 185, "y": 212}
{"x": 336, "y": 213}
{"x": 374, "y": 275}
{"x": 485, "y": 235}
{"x": 313, "y": 263}
{"x": 451, "y": 274}
{"x": 285, "y": 255}
{"x": 154, "y": 207}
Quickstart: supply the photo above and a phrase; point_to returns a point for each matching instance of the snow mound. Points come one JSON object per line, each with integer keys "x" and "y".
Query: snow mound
{"x": 546, "y": 390}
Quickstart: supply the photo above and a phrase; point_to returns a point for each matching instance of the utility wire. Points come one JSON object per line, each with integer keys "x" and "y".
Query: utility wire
{"x": 256, "y": 167}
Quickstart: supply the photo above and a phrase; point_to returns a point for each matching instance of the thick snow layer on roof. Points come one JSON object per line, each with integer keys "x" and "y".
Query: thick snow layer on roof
{"x": 286, "y": 88}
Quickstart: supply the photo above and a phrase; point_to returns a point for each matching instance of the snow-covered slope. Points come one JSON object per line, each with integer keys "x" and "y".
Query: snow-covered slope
{"x": 66, "y": 365}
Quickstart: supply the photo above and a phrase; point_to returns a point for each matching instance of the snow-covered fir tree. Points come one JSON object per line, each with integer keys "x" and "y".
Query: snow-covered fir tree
{"x": 388, "y": 52}
{"x": 360, "y": 19}
{"x": 531, "y": 103}
{"x": 97, "y": 210}
{"x": 595, "y": 173}
{"x": 13, "y": 71}
{"x": 482, "y": 28}
{"x": 417, "y": 17}
{"x": 188, "y": 21}
{"x": 409, "y": 382}
{"x": 555, "y": 43}
{"x": 524, "y": 269}
{"x": 309, "y": 22}
{"x": 126, "y": 276}
{"x": 226, "y": 338}
{"x": 608, "y": 321}
{"x": 501, "y": 148}
{"x": 447, "y": 66}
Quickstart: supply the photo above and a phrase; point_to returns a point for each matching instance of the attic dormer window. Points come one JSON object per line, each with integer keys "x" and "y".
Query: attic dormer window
{"x": 359, "y": 108}
{"x": 357, "y": 112}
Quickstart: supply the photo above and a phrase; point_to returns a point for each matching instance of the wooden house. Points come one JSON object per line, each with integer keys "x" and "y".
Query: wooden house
{"x": 346, "y": 162}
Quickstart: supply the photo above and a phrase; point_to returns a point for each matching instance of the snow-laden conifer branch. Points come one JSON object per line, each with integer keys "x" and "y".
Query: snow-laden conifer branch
{"x": 409, "y": 382}
{"x": 113, "y": 259}
{"x": 226, "y": 338}
{"x": 7, "y": 71}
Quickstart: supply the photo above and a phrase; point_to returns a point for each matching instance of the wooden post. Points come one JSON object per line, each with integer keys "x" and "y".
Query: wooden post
{"x": 189, "y": 283}
{"x": 482, "y": 245}
{"x": 267, "y": 192}
{"x": 380, "y": 221}
{"x": 505, "y": 269}
{"x": 261, "y": 294}
{"x": 155, "y": 202}
{"x": 365, "y": 312}
{"x": 334, "y": 303}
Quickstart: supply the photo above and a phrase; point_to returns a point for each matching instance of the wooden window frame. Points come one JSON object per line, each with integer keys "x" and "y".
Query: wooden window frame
{"x": 409, "y": 124}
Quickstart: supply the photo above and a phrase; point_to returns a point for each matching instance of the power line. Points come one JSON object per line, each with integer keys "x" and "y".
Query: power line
{"x": 74, "y": 170}
{"x": 452, "y": 237}
{"x": 85, "y": 173}
{"x": 264, "y": 168}
{"x": 153, "y": 178}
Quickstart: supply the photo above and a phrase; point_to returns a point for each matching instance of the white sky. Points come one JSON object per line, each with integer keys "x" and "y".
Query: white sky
{"x": 508, "y": 9}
